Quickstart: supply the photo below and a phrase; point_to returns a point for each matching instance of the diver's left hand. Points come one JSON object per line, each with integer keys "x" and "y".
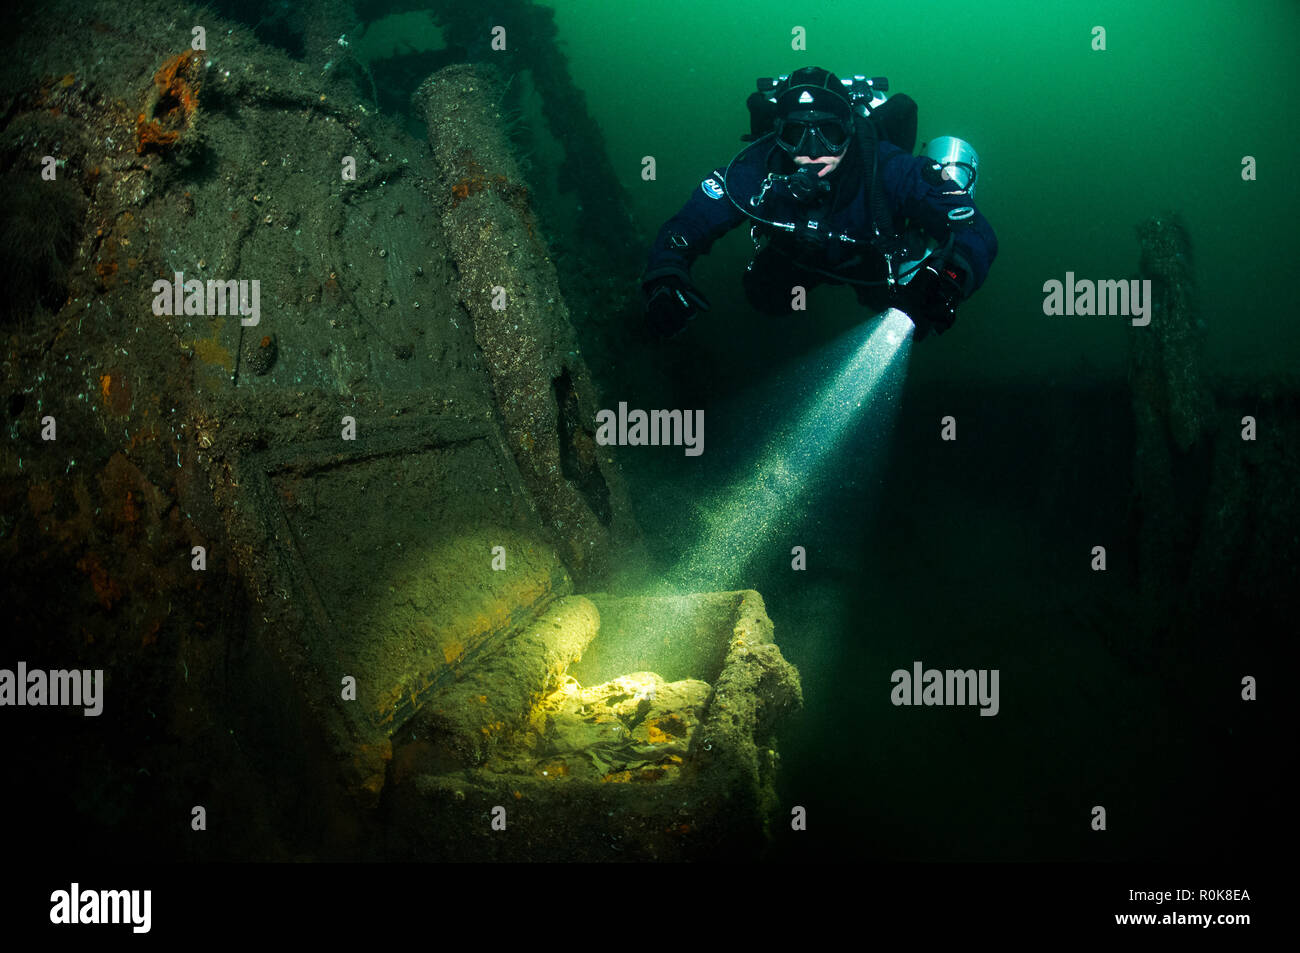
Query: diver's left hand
{"x": 931, "y": 298}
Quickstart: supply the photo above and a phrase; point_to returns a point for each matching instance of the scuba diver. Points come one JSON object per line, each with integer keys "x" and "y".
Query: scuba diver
{"x": 834, "y": 195}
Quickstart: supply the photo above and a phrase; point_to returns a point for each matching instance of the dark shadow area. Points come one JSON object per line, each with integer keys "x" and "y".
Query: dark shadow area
{"x": 278, "y": 23}
{"x": 977, "y": 553}
{"x": 578, "y": 450}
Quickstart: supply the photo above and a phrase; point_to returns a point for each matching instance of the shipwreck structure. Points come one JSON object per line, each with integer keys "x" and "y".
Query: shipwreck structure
{"x": 361, "y": 543}
{"x": 1213, "y": 510}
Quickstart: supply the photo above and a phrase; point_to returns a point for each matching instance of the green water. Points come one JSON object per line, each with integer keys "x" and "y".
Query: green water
{"x": 972, "y": 558}
{"x": 1077, "y": 145}
{"x": 974, "y": 554}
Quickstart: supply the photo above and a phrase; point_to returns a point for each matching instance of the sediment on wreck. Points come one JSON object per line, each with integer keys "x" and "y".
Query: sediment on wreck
{"x": 1171, "y": 411}
{"x": 1167, "y": 359}
{"x": 653, "y": 737}
{"x": 341, "y": 469}
{"x": 508, "y": 288}
{"x": 596, "y": 243}
{"x": 1210, "y": 506}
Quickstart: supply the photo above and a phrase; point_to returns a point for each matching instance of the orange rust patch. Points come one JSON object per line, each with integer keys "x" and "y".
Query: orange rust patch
{"x": 115, "y": 393}
{"x": 369, "y": 760}
{"x": 40, "y": 498}
{"x": 130, "y": 509}
{"x": 453, "y": 651}
{"x": 151, "y": 636}
{"x": 106, "y": 590}
{"x": 477, "y": 180}
{"x": 410, "y": 760}
{"x": 173, "y": 101}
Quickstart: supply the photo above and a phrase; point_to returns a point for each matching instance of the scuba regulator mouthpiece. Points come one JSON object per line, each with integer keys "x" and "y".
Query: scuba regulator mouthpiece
{"x": 805, "y": 186}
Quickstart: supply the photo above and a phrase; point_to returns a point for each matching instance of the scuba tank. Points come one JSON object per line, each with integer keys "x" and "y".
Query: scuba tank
{"x": 954, "y": 169}
{"x": 958, "y": 162}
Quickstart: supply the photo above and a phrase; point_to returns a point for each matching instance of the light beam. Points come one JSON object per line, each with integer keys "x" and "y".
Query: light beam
{"x": 781, "y": 481}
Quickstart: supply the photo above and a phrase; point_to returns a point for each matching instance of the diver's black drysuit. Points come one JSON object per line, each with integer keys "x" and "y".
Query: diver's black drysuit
{"x": 834, "y": 240}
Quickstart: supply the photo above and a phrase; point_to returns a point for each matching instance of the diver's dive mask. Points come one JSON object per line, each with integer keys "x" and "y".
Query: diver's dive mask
{"x": 815, "y": 136}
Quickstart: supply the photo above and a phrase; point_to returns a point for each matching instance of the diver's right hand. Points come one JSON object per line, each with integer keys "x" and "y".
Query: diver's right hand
{"x": 670, "y": 302}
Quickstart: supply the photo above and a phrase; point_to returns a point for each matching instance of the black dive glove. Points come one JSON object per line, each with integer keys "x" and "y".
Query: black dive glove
{"x": 670, "y": 302}
{"x": 931, "y": 297}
